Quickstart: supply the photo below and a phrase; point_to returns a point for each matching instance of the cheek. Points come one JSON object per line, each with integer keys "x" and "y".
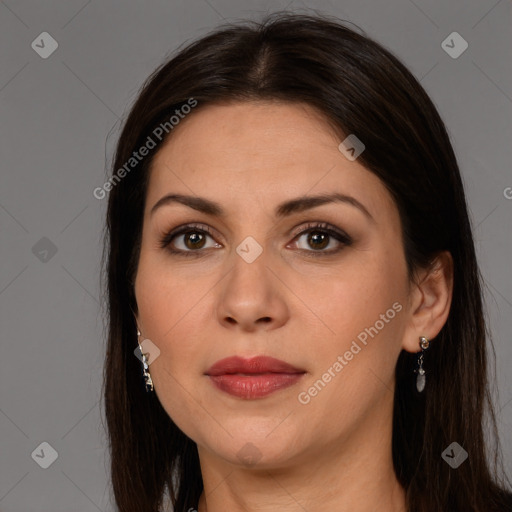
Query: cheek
{"x": 172, "y": 314}
{"x": 162, "y": 295}
{"x": 365, "y": 316}
{"x": 355, "y": 298}
{"x": 169, "y": 320}
{"x": 353, "y": 369}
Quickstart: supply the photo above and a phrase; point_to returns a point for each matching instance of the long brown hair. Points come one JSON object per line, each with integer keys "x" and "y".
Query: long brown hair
{"x": 361, "y": 88}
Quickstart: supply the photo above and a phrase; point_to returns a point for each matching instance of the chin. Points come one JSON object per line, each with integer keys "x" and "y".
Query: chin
{"x": 262, "y": 443}
{"x": 253, "y": 455}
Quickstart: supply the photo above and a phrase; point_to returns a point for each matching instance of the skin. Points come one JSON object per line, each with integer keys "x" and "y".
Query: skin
{"x": 335, "y": 451}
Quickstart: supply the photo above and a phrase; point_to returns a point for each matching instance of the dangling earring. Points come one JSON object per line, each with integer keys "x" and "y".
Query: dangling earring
{"x": 421, "y": 379}
{"x": 145, "y": 372}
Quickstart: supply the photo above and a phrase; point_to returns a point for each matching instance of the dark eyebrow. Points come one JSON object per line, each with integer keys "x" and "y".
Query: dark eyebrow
{"x": 285, "y": 209}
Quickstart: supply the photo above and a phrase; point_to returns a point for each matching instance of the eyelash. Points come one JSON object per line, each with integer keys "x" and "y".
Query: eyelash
{"x": 321, "y": 227}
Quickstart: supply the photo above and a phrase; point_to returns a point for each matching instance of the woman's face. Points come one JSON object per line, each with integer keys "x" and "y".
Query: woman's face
{"x": 250, "y": 280}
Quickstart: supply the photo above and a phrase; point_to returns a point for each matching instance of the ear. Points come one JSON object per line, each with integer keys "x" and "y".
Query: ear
{"x": 430, "y": 301}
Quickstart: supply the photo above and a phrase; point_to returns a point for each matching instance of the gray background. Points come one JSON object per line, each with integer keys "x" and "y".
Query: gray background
{"x": 60, "y": 118}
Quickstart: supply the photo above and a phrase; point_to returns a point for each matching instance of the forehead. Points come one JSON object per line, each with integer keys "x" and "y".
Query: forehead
{"x": 268, "y": 149}
{"x": 226, "y": 129}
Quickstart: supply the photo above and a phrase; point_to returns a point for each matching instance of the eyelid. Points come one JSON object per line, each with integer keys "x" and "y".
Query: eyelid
{"x": 182, "y": 229}
{"x": 341, "y": 237}
{"x": 320, "y": 225}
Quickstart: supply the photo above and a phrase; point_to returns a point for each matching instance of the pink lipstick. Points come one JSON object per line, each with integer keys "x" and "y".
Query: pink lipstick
{"x": 253, "y": 378}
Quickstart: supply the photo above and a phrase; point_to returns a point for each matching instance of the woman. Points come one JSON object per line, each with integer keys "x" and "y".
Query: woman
{"x": 291, "y": 260}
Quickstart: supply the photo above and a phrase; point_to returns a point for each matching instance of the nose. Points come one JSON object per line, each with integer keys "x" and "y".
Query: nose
{"x": 252, "y": 297}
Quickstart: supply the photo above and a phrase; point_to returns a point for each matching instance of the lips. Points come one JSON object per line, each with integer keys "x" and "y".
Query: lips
{"x": 253, "y": 378}
{"x": 256, "y": 365}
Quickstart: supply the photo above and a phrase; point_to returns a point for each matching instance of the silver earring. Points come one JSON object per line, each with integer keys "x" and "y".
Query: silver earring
{"x": 421, "y": 379}
{"x": 145, "y": 366}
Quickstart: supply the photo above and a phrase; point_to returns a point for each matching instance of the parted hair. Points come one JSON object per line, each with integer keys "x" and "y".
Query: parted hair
{"x": 361, "y": 88}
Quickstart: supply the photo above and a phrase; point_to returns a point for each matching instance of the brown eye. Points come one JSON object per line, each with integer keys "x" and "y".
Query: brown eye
{"x": 187, "y": 240}
{"x": 319, "y": 236}
{"x": 194, "y": 240}
{"x": 318, "y": 240}
{"x": 190, "y": 240}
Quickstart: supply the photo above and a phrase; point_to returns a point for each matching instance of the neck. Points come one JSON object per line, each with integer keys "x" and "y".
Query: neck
{"x": 354, "y": 474}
